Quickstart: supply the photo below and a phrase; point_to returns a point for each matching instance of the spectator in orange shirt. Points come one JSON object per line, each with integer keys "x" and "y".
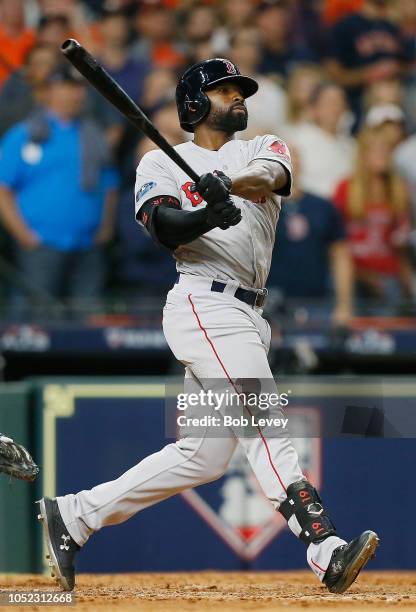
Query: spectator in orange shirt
{"x": 373, "y": 202}
{"x": 15, "y": 39}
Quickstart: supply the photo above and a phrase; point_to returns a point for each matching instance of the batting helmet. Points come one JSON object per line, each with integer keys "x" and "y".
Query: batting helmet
{"x": 192, "y": 102}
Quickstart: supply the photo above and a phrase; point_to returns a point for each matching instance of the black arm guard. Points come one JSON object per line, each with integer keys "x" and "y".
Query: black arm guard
{"x": 170, "y": 226}
{"x": 148, "y": 212}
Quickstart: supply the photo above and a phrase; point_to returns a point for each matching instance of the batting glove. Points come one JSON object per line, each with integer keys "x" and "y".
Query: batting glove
{"x": 213, "y": 187}
{"x": 223, "y": 214}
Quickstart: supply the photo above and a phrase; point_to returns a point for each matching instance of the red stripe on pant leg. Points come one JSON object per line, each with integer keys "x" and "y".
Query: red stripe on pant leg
{"x": 202, "y": 328}
{"x": 318, "y": 566}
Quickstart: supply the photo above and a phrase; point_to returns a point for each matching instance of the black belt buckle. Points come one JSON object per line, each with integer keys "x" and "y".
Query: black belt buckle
{"x": 260, "y": 298}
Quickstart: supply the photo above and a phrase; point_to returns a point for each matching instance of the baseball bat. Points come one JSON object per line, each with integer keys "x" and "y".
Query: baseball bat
{"x": 107, "y": 86}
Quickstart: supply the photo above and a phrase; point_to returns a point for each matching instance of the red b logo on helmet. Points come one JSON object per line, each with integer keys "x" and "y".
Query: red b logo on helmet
{"x": 230, "y": 67}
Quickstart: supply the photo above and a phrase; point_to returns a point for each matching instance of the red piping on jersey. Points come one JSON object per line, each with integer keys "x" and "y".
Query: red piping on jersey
{"x": 202, "y": 328}
{"x": 318, "y": 566}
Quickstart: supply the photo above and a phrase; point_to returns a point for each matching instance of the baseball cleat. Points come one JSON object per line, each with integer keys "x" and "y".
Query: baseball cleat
{"x": 61, "y": 547}
{"x": 348, "y": 560}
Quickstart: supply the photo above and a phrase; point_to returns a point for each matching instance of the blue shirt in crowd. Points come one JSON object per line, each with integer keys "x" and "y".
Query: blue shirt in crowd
{"x": 46, "y": 180}
{"x": 305, "y": 231}
{"x": 131, "y": 76}
{"x": 358, "y": 41}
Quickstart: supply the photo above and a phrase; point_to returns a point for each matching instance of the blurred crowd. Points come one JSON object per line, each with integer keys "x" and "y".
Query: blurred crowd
{"x": 337, "y": 81}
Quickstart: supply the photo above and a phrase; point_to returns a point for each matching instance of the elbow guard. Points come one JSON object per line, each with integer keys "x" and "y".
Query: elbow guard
{"x": 148, "y": 211}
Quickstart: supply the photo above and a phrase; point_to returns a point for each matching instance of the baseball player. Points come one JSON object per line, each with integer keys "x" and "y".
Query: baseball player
{"x": 221, "y": 233}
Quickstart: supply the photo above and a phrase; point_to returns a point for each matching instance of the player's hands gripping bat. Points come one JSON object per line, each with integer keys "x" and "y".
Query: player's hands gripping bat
{"x": 215, "y": 190}
{"x": 212, "y": 187}
{"x": 16, "y": 461}
{"x": 223, "y": 214}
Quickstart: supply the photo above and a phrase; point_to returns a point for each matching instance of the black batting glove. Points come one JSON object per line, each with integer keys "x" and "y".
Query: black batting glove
{"x": 213, "y": 188}
{"x": 223, "y": 214}
{"x": 225, "y": 179}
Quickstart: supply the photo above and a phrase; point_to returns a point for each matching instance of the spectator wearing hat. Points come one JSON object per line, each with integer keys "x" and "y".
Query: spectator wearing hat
{"x": 390, "y": 120}
{"x": 393, "y": 92}
{"x": 57, "y": 194}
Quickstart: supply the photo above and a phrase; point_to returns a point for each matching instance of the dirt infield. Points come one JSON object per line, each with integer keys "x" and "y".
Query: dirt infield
{"x": 222, "y": 591}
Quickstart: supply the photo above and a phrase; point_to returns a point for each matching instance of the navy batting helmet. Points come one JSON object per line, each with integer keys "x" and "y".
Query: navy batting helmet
{"x": 192, "y": 102}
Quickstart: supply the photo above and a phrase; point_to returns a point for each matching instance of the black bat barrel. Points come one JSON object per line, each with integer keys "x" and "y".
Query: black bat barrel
{"x": 106, "y": 85}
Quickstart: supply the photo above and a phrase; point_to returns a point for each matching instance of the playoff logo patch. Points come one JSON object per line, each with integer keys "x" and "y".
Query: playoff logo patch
{"x": 144, "y": 189}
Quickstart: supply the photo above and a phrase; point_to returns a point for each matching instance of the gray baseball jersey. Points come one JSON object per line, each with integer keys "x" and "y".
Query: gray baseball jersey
{"x": 243, "y": 252}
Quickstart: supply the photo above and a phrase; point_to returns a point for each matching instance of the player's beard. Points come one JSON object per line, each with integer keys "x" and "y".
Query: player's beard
{"x": 228, "y": 121}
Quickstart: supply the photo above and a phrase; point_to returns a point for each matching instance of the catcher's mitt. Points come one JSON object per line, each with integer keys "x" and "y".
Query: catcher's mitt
{"x": 15, "y": 460}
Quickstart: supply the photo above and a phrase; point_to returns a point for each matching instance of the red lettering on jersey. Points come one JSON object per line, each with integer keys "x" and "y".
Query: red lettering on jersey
{"x": 279, "y": 147}
{"x": 193, "y": 196}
